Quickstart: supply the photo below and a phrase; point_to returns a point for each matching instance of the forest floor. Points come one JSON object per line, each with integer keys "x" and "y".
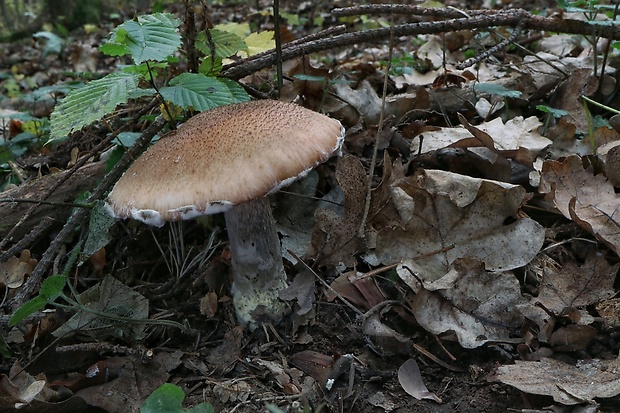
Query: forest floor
{"x": 485, "y": 279}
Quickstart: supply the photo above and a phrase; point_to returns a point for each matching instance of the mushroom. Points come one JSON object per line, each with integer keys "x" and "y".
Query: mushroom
{"x": 227, "y": 160}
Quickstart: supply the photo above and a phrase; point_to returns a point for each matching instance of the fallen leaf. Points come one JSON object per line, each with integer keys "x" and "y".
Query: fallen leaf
{"x": 574, "y": 285}
{"x": 588, "y": 200}
{"x": 114, "y": 298}
{"x": 478, "y": 306}
{"x": 411, "y": 381}
{"x": 567, "y": 384}
{"x": 439, "y": 217}
{"x": 14, "y": 270}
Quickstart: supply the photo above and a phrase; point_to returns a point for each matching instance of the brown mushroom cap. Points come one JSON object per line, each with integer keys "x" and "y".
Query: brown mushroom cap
{"x": 223, "y": 157}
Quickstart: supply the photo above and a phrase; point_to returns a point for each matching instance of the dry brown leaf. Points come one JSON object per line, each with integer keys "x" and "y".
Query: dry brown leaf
{"x": 14, "y": 270}
{"x": 476, "y": 305}
{"x": 575, "y": 285}
{"x": 567, "y": 384}
{"x": 410, "y": 379}
{"x": 441, "y": 216}
{"x": 334, "y": 236}
{"x": 588, "y": 200}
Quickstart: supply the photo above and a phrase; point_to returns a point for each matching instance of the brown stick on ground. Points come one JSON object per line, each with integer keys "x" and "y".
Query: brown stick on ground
{"x": 68, "y": 185}
{"x": 478, "y": 21}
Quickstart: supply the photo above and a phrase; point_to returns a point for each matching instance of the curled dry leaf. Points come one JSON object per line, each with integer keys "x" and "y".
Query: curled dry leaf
{"x": 567, "y": 384}
{"x": 410, "y": 379}
{"x": 588, "y": 200}
{"x": 334, "y": 236}
{"x": 478, "y": 306}
{"x": 514, "y": 134}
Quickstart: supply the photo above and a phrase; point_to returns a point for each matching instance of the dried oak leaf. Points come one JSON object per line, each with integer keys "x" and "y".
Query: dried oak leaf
{"x": 566, "y": 383}
{"x": 588, "y": 200}
{"x": 478, "y": 306}
{"x": 14, "y": 270}
{"x": 575, "y": 285}
{"x": 442, "y": 216}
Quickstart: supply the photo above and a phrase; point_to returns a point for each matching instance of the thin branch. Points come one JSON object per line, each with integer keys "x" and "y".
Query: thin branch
{"x": 509, "y": 18}
{"x": 81, "y": 214}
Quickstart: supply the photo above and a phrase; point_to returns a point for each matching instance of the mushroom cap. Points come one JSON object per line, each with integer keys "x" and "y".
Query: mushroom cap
{"x": 223, "y": 157}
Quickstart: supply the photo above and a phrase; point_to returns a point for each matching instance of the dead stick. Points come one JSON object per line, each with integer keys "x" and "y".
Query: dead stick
{"x": 81, "y": 214}
{"x": 510, "y": 18}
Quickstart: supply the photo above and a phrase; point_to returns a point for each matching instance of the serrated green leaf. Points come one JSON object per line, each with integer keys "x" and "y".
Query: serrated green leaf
{"x": 152, "y": 37}
{"x": 90, "y": 103}
{"x": 238, "y": 92}
{"x": 494, "y": 89}
{"x": 52, "y": 287}
{"x": 116, "y": 46}
{"x": 210, "y": 66}
{"x": 197, "y": 91}
{"x": 225, "y": 43}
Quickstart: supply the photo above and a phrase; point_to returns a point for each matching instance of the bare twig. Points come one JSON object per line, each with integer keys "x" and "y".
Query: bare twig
{"x": 373, "y": 161}
{"x": 80, "y": 215}
{"x": 478, "y": 20}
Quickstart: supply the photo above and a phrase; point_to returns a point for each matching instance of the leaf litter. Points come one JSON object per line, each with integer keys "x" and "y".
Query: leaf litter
{"x": 478, "y": 231}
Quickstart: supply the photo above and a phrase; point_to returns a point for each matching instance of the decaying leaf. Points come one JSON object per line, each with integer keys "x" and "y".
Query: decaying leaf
{"x": 478, "y": 306}
{"x": 113, "y": 298}
{"x": 410, "y": 379}
{"x": 335, "y": 237}
{"x": 14, "y": 270}
{"x": 574, "y": 285}
{"x": 567, "y": 384}
{"x": 442, "y": 216}
{"x": 588, "y": 200}
{"x": 514, "y": 134}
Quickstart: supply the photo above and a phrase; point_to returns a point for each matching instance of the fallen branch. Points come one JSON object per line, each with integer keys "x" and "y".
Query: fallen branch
{"x": 510, "y": 18}
{"x": 80, "y": 215}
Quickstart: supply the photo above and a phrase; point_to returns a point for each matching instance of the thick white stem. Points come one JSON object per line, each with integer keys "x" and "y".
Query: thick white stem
{"x": 258, "y": 271}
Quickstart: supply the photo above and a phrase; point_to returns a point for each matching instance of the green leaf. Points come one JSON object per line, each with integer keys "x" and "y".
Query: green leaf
{"x": 494, "y": 89}
{"x": 556, "y": 113}
{"x": 226, "y": 43}
{"x": 152, "y": 37}
{"x": 167, "y": 398}
{"x": 197, "y": 91}
{"x": 116, "y": 46}
{"x": 50, "y": 290}
{"x": 98, "y": 231}
{"x": 52, "y": 287}
{"x": 36, "y": 304}
{"x": 90, "y": 103}
{"x": 211, "y": 66}
{"x": 238, "y": 92}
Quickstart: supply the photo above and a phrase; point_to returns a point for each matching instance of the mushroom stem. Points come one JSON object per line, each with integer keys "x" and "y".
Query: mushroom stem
{"x": 258, "y": 271}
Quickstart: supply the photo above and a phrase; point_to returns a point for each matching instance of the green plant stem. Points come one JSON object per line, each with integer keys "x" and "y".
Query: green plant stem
{"x": 600, "y": 105}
